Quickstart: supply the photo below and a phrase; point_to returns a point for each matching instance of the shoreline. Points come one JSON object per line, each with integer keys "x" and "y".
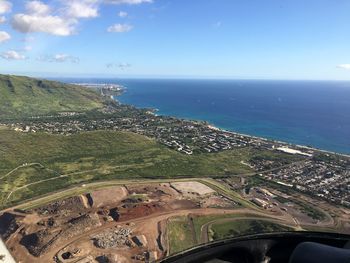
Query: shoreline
{"x": 280, "y": 142}
{"x": 212, "y": 126}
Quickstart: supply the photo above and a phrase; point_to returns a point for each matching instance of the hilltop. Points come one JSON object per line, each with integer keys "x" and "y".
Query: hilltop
{"x": 24, "y": 96}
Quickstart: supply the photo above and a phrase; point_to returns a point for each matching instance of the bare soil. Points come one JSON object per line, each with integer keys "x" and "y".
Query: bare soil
{"x": 67, "y": 227}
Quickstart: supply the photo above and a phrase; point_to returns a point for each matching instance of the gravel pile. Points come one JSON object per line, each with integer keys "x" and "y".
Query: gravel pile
{"x": 111, "y": 239}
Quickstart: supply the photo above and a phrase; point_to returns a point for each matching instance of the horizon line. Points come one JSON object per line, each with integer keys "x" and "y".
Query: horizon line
{"x": 141, "y": 76}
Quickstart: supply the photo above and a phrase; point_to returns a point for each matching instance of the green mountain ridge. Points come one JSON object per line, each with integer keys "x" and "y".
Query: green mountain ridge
{"x": 24, "y": 97}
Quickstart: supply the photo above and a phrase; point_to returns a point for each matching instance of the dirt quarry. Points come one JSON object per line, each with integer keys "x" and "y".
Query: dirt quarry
{"x": 115, "y": 224}
{"x": 192, "y": 188}
{"x": 107, "y": 196}
{"x": 123, "y": 223}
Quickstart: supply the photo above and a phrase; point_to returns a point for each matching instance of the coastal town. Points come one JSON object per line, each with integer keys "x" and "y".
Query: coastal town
{"x": 326, "y": 178}
{"x": 185, "y": 136}
{"x": 329, "y": 180}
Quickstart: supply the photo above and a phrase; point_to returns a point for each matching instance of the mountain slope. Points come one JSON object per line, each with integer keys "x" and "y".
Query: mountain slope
{"x": 23, "y": 96}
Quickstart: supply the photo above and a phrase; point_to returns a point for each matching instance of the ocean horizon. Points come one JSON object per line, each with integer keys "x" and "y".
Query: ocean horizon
{"x": 310, "y": 113}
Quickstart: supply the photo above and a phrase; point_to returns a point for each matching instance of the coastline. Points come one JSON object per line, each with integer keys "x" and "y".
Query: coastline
{"x": 211, "y": 126}
{"x": 280, "y": 142}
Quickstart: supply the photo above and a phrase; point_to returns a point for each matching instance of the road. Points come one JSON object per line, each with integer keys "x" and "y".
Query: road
{"x": 21, "y": 166}
{"x": 60, "y": 176}
{"x": 152, "y": 220}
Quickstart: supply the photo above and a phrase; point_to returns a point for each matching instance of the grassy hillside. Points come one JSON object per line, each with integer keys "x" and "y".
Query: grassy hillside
{"x": 100, "y": 155}
{"x": 23, "y": 96}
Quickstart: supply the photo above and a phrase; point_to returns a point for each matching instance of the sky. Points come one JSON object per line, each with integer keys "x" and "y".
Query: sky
{"x": 239, "y": 39}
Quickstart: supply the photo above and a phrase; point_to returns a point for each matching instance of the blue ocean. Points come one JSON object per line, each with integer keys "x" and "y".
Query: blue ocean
{"x": 312, "y": 113}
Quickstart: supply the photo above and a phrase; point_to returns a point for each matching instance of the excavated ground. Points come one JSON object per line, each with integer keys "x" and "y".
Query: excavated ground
{"x": 115, "y": 224}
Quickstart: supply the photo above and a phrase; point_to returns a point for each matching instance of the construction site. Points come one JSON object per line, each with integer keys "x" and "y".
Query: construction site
{"x": 116, "y": 224}
{"x": 139, "y": 222}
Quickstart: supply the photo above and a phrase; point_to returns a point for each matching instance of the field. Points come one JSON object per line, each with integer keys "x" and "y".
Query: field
{"x": 186, "y": 232}
{"x": 179, "y": 234}
{"x": 200, "y": 221}
{"x": 244, "y": 227}
{"x": 32, "y": 164}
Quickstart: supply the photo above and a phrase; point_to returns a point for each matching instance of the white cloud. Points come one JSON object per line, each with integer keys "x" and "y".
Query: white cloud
{"x": 2, "y": 19}
{"x": 122, "y": 14}
{"x": 344, "y": 66}
{"x": 4, "y": 36}
{"x": 12, "y": 55}
{"x": 5, "y": 7}
{"x": 121, "y": 66}
{"x": 37, "y": 8}
{"x": 120, "y": 28}
{"x": 81, "y": 8}
{"x": 39, "y": 17}
{"x": 129, "y": 2}
{"x": 55, "y": 25}
{"x": 59, "y": 58}
{"x": 63, "y": 19}
{"x": 65, "y": 58}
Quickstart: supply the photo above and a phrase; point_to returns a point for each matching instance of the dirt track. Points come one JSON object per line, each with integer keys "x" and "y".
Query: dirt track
{"x": 151, "y": 222}
{"x": 159, "y": 208}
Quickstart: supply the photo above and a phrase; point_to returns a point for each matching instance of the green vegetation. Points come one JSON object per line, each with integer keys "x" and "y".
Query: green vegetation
{"x": 200, "y": 221}
{"x": 26, "y": 175}
{"x": 244, "y": 227}
{"x": 33, "y": 164}
{"x": 310, "y": 211}
{"x": 23, "y": 97}
{"x": 180, "y": 229}
{"x": 179, "y": 235}
{"x": 56, "y": 162}
{"x": 63, "y": 161}
{"x": 270, "y": 159}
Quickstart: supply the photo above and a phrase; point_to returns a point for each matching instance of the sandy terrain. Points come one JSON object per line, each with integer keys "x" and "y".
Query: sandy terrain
{"x": 107, "y": 196}
{"x": 68, "y": 228}
{"x": 192, "y": 188}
